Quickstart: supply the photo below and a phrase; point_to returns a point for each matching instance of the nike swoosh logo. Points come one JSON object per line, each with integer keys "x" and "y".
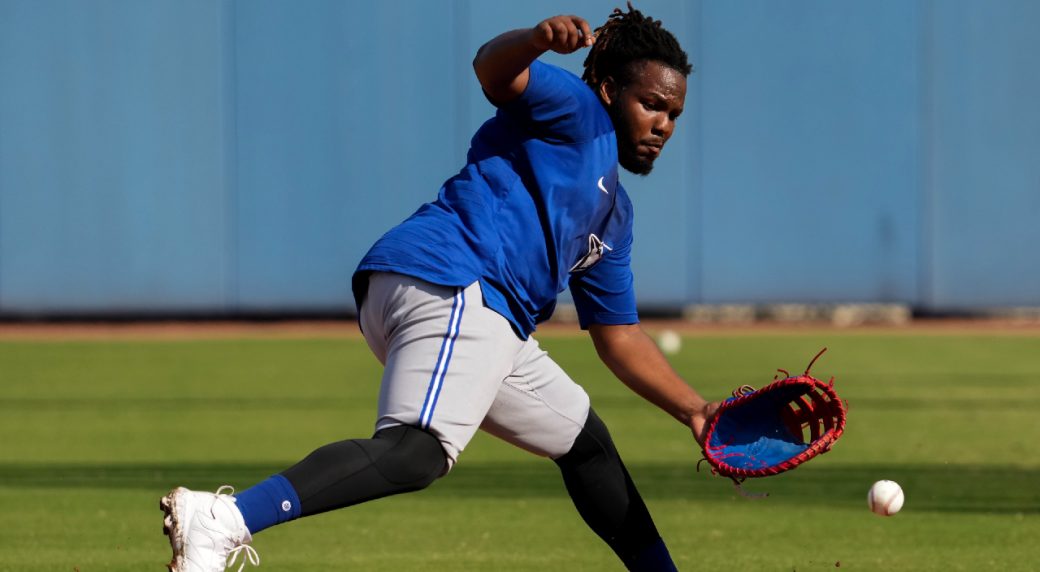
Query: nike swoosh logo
{"x": 601, "y": 187}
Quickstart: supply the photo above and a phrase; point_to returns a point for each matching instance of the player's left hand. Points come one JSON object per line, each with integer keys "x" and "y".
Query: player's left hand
{"x": 700, "y": 421}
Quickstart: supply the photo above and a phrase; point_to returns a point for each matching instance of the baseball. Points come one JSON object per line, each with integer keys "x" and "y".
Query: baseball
{"x": 669, "y": 342}
{"x": 885, "y": 498}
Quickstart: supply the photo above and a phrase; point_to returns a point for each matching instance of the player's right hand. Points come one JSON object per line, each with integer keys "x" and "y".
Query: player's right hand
{"x": 562, "y": 34}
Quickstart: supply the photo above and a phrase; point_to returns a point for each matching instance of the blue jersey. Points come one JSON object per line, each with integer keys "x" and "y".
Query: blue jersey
{"x": 537, "y": 208}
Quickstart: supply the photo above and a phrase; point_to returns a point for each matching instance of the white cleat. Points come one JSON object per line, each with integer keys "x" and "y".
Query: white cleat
{"x": 206, "y": 531}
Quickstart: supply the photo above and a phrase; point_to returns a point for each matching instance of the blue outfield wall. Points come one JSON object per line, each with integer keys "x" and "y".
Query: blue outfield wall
{"x": 234, "y": 156}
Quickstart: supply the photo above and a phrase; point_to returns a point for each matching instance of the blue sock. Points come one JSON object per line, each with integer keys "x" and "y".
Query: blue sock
{"x": 654, "y": 559}
{"x": 268, "y": 503}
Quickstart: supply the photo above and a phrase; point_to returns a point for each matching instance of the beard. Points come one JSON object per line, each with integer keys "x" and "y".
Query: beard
{"x": 628, "y": 158}
{"x": 633, "y": 163}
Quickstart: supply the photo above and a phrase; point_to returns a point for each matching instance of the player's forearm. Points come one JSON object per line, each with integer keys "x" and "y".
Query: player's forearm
{"x": 501, "y": 64}
{"x": 634, "y": 358}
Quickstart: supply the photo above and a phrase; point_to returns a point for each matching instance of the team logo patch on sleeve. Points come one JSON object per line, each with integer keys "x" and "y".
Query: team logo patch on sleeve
{"x": 595, "y": 253}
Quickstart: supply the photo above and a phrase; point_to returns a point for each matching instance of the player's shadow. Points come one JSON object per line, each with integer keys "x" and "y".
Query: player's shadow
{"x": 997, "y": 489}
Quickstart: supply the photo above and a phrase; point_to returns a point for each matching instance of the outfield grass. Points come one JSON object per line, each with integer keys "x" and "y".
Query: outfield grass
{"x": 94, "y": 432}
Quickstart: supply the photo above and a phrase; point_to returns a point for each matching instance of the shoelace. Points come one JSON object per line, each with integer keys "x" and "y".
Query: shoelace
{"x": 250, "y": 556}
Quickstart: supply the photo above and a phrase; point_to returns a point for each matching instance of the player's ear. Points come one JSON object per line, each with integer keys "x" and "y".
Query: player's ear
{"x": 608, "y": 90}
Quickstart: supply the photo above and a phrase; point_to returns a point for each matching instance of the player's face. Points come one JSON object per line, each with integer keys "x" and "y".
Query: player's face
{"x": 644, "y": 112}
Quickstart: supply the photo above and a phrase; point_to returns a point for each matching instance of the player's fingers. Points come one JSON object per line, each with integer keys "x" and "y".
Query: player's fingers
{"x": 578, "y": 31}
{"x": 586, "y": 31}
{"x": 544, "y": 31}
{"x": 574, "y": 36}
{"x": 560, "y": 35}
{"x": 711, "y": 409}
{"x": 568, "y": 35}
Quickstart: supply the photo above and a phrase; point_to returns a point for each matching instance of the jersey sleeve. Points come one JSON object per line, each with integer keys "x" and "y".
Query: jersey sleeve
{"x": 556, "y": 104}
{"x": 605, "y": 294}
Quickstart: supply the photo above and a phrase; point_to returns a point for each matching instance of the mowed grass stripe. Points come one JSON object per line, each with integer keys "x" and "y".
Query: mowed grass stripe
{"x": 985, "y": 399}
{"x": 931, "y": 487}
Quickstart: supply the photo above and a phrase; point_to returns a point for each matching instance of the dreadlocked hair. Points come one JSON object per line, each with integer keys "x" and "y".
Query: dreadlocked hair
{"x": 629, "y": 37}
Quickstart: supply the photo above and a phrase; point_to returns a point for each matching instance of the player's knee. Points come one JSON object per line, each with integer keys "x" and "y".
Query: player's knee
{"x": 413, "y": 458}
{"x": 592, "y": 443}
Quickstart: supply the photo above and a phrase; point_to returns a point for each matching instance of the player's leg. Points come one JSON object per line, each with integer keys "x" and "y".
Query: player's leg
{"x": 206, "y": 528}
{"x": 540, "y": 409}
{"x": 444, "y": 355}
{"x": 395, "y": 460}
{"x": 608, "y": 500}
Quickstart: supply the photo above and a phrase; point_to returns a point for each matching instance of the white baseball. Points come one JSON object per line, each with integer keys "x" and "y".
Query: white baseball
{"x": 669, "y": 342}
{"x": 885, "y": 498}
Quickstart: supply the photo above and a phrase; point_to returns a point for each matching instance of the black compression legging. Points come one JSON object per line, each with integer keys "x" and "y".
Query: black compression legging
{"x": 604, "y": 493}
{"x": 395, "y": 460}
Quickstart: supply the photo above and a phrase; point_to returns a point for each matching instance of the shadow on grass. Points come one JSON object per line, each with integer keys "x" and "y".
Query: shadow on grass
{"x": 933, "y": 487}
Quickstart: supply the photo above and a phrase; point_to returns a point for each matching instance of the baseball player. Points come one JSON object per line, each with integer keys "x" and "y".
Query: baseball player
{"x": 448, "y": 300}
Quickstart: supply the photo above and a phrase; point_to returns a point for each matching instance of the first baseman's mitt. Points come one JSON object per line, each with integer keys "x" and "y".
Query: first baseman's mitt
{"x": 759, "y": 433}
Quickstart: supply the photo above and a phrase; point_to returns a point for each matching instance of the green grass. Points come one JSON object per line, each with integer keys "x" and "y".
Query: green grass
{"x": 94, "y": 432}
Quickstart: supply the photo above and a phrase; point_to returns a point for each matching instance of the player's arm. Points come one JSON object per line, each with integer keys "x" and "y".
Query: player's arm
{"x": 635, "y": 359}
{"x": 501, "y": 64}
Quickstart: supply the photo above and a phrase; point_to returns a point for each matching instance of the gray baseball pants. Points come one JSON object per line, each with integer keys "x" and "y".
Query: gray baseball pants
{"x": 453, "y": 365}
